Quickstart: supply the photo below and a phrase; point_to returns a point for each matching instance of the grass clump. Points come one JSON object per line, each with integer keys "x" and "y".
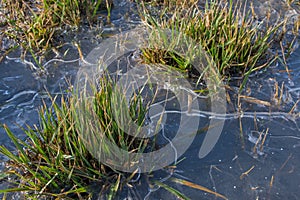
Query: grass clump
{"x": 34, "y": 23}
{"x": 236, "y": 42}
{"x": 58, "y": 160}
{"x": 55, "y": 162}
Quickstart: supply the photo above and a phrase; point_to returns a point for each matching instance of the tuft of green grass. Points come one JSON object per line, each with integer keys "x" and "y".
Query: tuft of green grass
{"x": 57, "y": 160}
{"x": 54, "y": 161}
{"x": 230, "y": 34}
{"x": 34, "y": 23}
